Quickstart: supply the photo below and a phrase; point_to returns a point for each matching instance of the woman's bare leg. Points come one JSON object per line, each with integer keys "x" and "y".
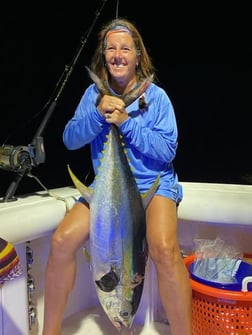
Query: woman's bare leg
{"x": 70, "y": 235}
{"x": 172, "y": 275}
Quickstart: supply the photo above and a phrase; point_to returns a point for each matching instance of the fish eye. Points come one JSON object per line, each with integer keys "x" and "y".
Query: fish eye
{"x": 124, "y": 314}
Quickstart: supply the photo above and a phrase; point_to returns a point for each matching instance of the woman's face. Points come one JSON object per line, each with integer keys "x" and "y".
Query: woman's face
{"x": 121, "y": 57}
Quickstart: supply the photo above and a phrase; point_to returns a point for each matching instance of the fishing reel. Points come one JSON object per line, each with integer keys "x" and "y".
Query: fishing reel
{"x": 20, "y": 158}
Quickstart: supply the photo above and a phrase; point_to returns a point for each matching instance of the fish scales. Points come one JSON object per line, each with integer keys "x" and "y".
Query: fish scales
{"x": 117, "y": 239}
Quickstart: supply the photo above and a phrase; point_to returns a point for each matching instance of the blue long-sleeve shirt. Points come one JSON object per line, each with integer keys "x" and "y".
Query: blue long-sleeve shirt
{"x": 150, "y": 138}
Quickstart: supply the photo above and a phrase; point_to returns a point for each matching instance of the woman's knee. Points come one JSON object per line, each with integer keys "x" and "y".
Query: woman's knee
{"x": 72, "y": 232}
{"x": 164, "y": 253}
{"x": 60, "y": 242}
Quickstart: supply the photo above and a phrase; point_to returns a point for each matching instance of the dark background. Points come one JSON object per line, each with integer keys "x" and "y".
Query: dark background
{"x": 203, "y": 59}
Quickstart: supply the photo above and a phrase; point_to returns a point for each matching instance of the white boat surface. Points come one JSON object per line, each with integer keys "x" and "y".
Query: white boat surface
{"x": 208, "y": 210}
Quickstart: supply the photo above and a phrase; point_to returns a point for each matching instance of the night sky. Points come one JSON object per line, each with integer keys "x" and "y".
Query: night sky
{"x": 203, "y": 61}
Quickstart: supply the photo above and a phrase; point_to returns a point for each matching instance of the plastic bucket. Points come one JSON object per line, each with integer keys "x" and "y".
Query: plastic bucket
{"x": 219, "y": 311}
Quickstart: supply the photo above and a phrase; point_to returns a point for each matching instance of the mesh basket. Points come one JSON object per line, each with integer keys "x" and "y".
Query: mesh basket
{"x": 217, "y": 311}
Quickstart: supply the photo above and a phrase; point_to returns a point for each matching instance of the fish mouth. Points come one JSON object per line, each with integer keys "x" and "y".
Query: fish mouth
{"x": 118, "y": 324}
{"x": 108, "y": 282}
{"x": 125, "y": 320}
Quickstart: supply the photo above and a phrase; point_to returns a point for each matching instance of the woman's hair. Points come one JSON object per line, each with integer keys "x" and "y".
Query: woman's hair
{"x": 145, "y": 67}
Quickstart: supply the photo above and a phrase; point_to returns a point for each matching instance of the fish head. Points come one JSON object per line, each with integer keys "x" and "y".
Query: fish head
{"x": 118, "y": 309}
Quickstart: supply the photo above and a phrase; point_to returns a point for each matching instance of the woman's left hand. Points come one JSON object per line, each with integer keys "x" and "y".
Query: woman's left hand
{"x": 116, "y": 117}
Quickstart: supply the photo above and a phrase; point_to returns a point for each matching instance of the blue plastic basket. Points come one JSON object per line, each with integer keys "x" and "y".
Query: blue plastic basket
{"x": 244, "y": 272}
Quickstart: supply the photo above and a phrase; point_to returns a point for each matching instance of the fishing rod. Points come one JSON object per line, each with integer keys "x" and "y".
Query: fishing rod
{"x": 20, "y": 159}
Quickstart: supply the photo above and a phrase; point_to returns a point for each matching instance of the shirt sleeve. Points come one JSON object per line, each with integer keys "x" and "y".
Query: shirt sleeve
{"x": 155, "y": 136}
{"x": 86, "y": 123}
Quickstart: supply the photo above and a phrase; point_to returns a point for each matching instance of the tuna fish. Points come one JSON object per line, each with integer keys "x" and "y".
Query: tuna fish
{"x": 118, "y": 248}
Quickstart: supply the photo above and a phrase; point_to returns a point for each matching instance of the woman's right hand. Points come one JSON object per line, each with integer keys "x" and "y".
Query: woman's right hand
{"x": 110, "y": 103}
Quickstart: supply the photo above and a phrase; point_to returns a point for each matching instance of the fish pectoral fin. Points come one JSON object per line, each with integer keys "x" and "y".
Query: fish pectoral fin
{"x": 84, "y": 190}
{"x": 137, "y": 280}
{"x": 146, "y": 197}
{"x": 108, "y": 282}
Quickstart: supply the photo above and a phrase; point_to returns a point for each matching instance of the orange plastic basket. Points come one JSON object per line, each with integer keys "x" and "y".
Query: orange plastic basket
{"x": 218, "y": 311}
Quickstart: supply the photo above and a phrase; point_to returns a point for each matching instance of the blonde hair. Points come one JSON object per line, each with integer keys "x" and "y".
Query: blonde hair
{"x": 145, "y": 67}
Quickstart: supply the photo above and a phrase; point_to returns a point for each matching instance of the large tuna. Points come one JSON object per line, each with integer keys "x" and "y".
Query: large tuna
{"x": 118, "y": 249}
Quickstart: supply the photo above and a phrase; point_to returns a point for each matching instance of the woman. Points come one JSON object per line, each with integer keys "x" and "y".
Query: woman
{"x": 150, "y": 133}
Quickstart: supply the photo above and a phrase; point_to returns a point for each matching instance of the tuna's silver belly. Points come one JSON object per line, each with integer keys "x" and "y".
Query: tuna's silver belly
{"x": 117, "y": 231}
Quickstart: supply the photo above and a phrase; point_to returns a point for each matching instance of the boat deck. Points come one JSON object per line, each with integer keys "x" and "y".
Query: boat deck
{"x": 95, "y": 322}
